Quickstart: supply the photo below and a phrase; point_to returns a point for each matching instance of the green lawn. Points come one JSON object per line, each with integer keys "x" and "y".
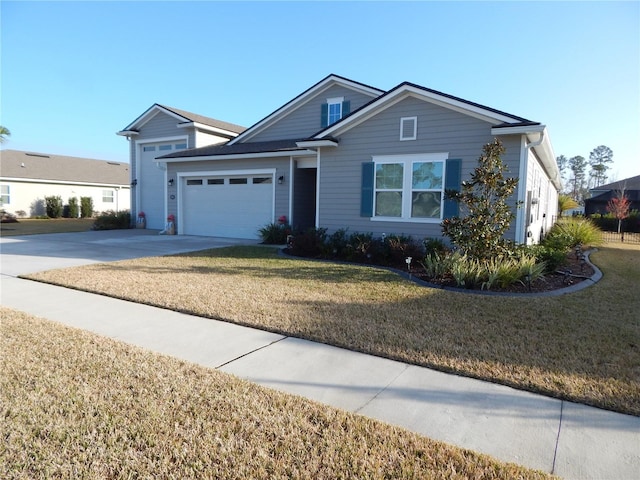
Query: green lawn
{"x": 583, "y": 347}
{"x": 32, "y": 226}
{"x": 77, "y": 405}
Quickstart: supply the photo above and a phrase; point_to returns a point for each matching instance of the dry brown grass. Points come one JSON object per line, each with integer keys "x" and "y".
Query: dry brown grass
{"x": 583, "y": 347}
{"x": 36, "y": 226}
{"x": 76, "y": 405}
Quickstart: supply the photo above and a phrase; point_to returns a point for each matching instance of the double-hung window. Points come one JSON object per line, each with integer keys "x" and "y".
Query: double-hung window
{"x": 409, "y": 187}
{"x": 335, "y": 109}
{"x": 107, "y": 196}
{"x": 5, "y": 195}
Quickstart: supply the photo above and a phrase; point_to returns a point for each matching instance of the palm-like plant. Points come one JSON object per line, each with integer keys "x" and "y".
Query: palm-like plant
{"x": 4, "y": 133}
{"x": 565, "y": 202}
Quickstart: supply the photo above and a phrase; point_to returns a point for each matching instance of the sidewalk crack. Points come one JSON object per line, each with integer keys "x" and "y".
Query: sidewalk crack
{"x": 357, "y": 410}
{"x": 249, "y": 353}
{"x": 555, "y": 450}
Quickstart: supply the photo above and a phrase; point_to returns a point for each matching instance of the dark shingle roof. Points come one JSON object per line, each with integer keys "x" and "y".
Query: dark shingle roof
{"x": 42, "y": 166}
{"x": 631, "y": 183}
{"x": 239, "y": 148}
{"x": 194, "y": 117}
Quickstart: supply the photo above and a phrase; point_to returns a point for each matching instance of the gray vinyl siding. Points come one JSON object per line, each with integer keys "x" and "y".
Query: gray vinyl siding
{"x": 281, "y": 164}
{"x": 159, "y": 127}
{"x": 305, "y": 120}
{"x": 439, "y": 130}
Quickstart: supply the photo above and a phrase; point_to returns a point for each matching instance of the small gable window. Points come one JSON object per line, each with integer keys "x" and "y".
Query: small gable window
{"x": 408, "y": 128}
{"x": 334, "y": 110}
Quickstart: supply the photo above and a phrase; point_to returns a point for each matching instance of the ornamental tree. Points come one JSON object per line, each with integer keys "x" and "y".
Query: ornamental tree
{"x": 619, "y": 207}
{"x": 480, "y": 233}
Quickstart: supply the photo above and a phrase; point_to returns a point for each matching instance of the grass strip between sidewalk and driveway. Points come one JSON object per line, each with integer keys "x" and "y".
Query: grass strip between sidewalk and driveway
{"x": 77, "y": 405}
{"x": 38, "y": 226}
{"x": 583, "y": 347}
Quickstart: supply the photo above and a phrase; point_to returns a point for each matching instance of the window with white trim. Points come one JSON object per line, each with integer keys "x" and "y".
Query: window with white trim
{"x": 335, "y": 109}
{"x": 409, "y": 187}
{"x": 408, "y": 128}
{"x": 5, "y": 195}
{"x": 107, "y": 196}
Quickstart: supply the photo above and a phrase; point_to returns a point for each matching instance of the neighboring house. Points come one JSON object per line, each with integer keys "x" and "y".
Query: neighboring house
{"x": 343, "y": 154}
{"x": 158, "y": 131}
{"x": 601, "y": 195}
{"x": 27, "y": 178}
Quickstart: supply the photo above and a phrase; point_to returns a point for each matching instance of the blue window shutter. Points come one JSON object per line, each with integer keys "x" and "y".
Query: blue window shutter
{"x": 324, "y": 115}
{"x": 346, "y": 108}
{"x": 452, "y": 181}
{"x": 366, "y": 199}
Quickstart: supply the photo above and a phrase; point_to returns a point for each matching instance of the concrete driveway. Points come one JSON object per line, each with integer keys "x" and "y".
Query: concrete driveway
{"x": 34, "y": 253}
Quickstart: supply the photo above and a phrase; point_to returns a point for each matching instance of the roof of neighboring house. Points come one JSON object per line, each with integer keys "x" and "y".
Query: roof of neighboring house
{"x": 631, "y": 183}
{"x": 42, "y": 166}
{"x": 238, "y": 149}
{"x": 182, "y": 116}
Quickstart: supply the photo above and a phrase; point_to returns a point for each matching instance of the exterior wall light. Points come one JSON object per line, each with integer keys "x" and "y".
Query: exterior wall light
{"x": 281, "y": 179}
{"x": 171, "y": 182}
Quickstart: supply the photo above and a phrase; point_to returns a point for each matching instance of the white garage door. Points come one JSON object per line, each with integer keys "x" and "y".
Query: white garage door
{"x": 151, "y": 182}
{"x": 233, "y": 206}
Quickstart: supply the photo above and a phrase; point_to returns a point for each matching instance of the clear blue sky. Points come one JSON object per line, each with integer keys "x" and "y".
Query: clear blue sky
{"x": 74, "y": 73}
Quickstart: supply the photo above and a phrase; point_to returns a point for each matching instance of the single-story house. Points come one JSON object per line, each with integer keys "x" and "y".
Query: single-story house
{"x": 341, "y": 154}
{"x": 27, "y": 178}
{"x": 601, "y": 195}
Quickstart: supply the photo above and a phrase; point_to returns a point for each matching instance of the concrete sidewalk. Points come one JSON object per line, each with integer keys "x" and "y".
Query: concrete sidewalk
{"x": 567, "y": 439}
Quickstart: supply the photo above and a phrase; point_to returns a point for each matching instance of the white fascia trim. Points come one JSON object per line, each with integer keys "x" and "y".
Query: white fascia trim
{"x": 294, "y": 104}
{"x": 410, "y": 91}
{"x": 518, "y": 130}
{"x": 127, "y": 133}
{"x": 239, "y": 156}
{"x": 317, "y": 143}
{"x": 208, "y": 128}
{"x": 63, "y": 182}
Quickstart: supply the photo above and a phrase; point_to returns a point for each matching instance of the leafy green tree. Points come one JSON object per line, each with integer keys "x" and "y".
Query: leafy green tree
{"x": 578, "y": 167}
{"x": 53, "y": 206}
{"x": 4, "y": 133}
{"x": 599, "y": 158}
{"x": 480, "y": 234}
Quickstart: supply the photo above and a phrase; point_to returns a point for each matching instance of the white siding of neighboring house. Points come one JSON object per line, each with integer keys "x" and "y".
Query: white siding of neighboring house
{"x": 29, "y": 196}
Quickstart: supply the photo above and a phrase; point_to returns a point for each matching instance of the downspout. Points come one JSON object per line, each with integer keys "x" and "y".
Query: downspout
{"x": 522, "y": 194}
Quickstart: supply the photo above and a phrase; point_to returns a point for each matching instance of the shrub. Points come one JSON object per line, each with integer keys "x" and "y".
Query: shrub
{"x": 74, "y": 209}
{"x": 310, "y": 243}
{"x": 275, "y": 233}
{"x": 53, "y": 206}
{"x": 6, "y": 217}
{"x": 480, "y": 233}
{"x": 86, "y": 207}
{"x": 553, "y": 258}
{"x": 111, "y": 220}
{"x": 21, "y": 213}
{"x": 338, "y": 244}
{"x": 398, "y": 247}
{"x": 434, "y": 245}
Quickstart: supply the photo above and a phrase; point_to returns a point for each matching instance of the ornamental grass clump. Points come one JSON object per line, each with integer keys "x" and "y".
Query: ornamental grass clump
{"x": 574, "y": 231}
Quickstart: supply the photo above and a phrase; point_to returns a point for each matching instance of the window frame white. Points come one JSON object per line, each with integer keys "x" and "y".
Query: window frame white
{"x": 6, "y": 195}
{"x": 414, "y": 134}
{"x": 408, "y": 162}
{"x": 108, "y": 196}
{"x": 334, "y": 101}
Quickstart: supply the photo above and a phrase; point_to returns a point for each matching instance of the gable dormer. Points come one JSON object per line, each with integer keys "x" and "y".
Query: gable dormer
{"x": 323, "y": 104}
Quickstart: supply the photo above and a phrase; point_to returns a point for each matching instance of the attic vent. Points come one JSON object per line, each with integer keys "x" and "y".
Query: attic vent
{"x": 37, "y": 155}
{"x": 408, "y": 128}
{"x": 113, "y": 163}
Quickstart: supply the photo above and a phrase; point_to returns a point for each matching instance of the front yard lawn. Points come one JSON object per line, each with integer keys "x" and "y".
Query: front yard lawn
{"x": 76, "y": 405}
{"x": 583, "y": 347}
{"x": 36, "y": 226}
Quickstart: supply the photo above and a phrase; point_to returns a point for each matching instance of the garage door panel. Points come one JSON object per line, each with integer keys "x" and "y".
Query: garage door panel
{"x": 227, "y": 210}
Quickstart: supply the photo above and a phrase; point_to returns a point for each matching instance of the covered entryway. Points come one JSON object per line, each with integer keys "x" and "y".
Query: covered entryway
{"x": 233, "y": 206}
